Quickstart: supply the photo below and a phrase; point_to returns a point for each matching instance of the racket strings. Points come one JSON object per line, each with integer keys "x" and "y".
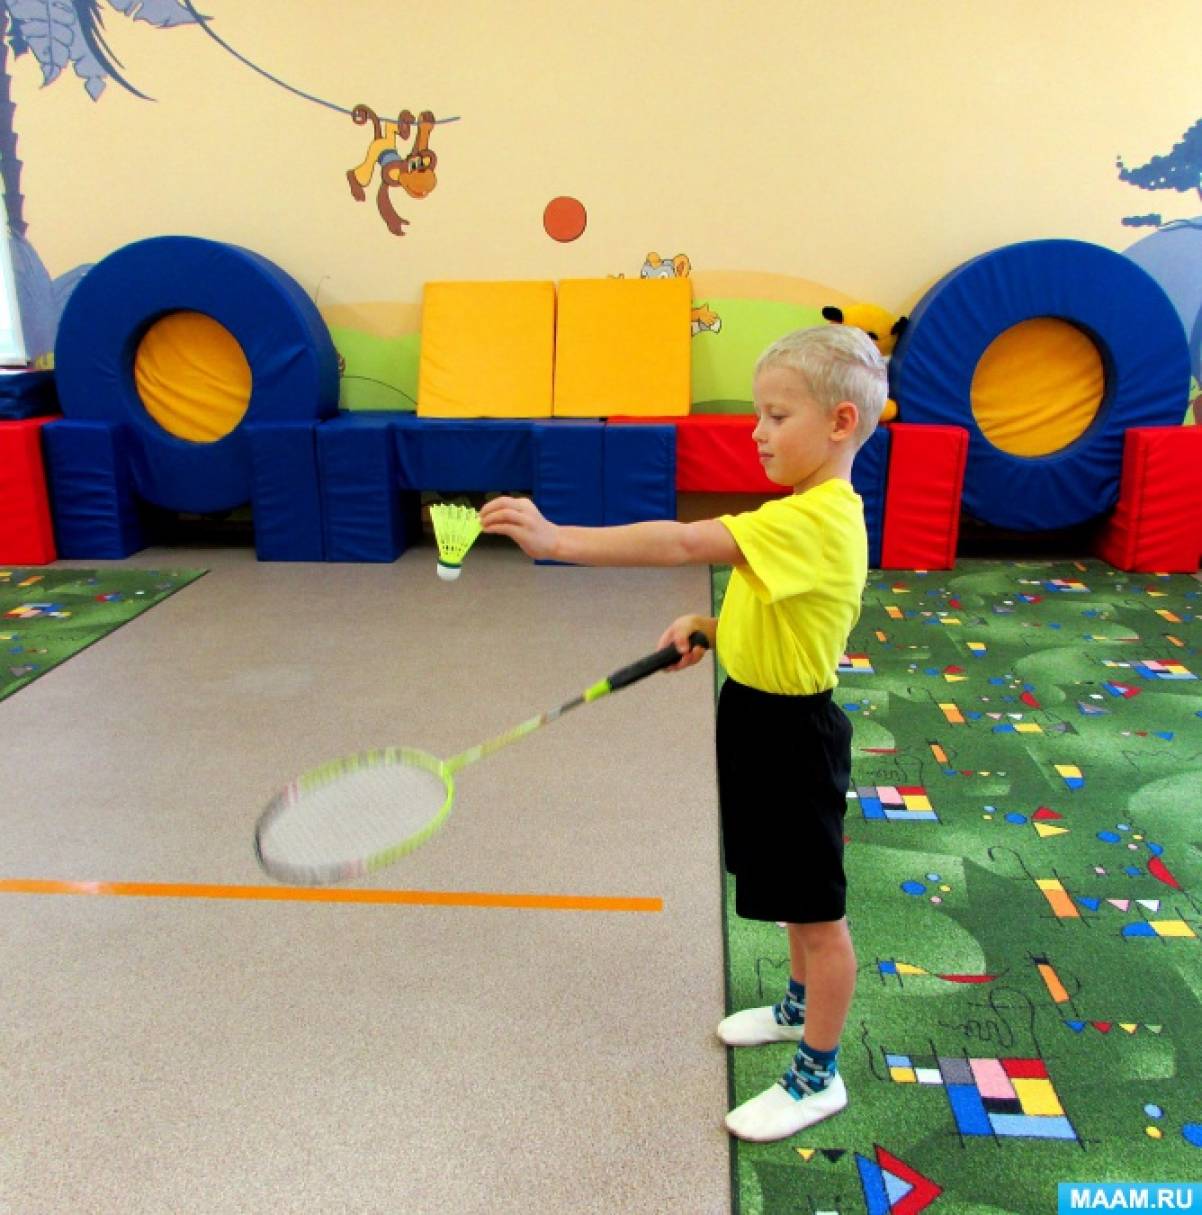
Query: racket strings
{"x": 352, "y": 816}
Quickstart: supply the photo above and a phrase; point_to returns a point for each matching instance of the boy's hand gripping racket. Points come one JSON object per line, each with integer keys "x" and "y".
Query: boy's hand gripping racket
{"x": 358, "y": 814}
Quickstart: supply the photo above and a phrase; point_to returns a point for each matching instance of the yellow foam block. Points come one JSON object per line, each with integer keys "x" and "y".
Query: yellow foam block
{"x": 623, "y": 347}
{"x": 487, "y": 350}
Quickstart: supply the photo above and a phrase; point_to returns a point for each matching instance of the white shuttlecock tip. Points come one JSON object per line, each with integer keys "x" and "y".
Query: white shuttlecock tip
{"x": 448, "y": 573}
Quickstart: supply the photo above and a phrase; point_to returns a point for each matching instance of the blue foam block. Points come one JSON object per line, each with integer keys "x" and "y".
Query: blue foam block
{"x": 870, "y": 478}
{"x": 27, "y": 394}
{"x": 286, "y": 492}
{"x": 93, "y": 502}
{"x": 365, "y": 516}
{"x": 569, "y": 457}
{"x": 471, "y": 454}
{"x": 639, "y": 473}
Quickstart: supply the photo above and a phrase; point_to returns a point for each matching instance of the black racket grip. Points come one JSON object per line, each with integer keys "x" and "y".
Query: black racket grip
{"x": 669, "y": 656}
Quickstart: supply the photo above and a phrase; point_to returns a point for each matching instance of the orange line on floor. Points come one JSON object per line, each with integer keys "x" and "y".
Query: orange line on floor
{"x": 304, "y": 894}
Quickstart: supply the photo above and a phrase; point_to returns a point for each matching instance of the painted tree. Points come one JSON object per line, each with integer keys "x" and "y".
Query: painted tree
{"x": 60, "y": 34}
{"x": 1179, "y": 169}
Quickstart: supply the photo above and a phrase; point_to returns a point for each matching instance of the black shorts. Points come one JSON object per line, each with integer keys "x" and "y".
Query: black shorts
{"x": 784, "y": 763}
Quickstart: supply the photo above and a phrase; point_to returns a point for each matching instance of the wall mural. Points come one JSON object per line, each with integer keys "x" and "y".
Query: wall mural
{"x": 1180, "y": 169}
{"x": 70, "y": 34}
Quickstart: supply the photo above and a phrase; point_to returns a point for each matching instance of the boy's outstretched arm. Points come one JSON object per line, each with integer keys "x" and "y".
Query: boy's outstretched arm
{"x": 656, "y": 542}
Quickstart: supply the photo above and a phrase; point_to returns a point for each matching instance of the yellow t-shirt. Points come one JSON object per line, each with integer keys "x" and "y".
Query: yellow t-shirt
{"x": 789, "y": 609}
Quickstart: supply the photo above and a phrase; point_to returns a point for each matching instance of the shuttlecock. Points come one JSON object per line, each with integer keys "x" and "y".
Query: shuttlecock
{"x": 455, "y": 529}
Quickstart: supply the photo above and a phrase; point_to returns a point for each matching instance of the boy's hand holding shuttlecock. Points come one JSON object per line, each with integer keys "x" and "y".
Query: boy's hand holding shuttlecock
{"x": 522, "y": 522}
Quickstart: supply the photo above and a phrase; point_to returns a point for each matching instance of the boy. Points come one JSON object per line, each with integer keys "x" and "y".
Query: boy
{"x": 799, "y": 564}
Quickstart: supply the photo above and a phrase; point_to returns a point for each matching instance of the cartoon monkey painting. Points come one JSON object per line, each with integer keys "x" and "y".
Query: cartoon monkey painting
{"x": 413, "y": 171}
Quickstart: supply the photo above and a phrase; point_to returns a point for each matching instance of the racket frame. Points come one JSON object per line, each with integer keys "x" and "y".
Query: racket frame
{"x": 327, "y": 774}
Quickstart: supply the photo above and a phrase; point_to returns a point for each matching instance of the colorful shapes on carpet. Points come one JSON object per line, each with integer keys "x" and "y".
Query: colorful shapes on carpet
{"x": 900, "y": 970}
{"x": 1153, "y": 668}
{"x": 904, "y": 803}
{"x": 1156, "y": 867}
{"x": 1159, "y": 928}
{"x": 1048, "y": 830}
{"x": 1017, "y": 727}
{"x": 855, "y": 664}
{"x": 892, "y": 1187}
{"x": 1051, "y": 980}
{"x": 31, "y": 611}
{"x": 1071, "y": 774}
{"x": 1058, "y": 898}
{"x": 1005, "y": 1098}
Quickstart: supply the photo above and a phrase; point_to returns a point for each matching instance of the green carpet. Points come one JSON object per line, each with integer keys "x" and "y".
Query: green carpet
{"x": 1025, "y": 867}
{"x": 48, "y": 615}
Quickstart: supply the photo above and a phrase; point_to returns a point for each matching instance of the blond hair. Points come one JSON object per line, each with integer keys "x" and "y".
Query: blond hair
{"x": 836, "y": 363}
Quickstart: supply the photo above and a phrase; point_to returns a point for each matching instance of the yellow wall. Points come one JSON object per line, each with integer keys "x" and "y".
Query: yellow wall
{"x": 870, "y": 145}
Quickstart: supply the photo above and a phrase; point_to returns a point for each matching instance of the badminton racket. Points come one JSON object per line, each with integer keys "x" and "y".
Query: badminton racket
{"x": 352, "y": 816}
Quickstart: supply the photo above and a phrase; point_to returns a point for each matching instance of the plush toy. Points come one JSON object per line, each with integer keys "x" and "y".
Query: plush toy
{"x": 880, "y": 325}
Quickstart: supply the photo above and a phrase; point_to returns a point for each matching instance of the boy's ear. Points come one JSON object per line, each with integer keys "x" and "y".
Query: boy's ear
{"x": 845, "y": 419}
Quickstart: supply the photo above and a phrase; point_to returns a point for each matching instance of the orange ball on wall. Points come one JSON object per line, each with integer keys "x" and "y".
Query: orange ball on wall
{"x": 564, "y": 218}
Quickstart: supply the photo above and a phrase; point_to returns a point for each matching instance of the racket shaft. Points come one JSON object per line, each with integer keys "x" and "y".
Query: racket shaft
{"x": 502, "y": 740}
{"x": 621, "y": 678}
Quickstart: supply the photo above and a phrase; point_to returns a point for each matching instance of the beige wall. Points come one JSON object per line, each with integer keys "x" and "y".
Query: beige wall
{"x": 867, "y": 145}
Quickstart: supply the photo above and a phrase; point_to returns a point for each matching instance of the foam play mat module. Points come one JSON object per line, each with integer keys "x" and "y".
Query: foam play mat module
{"x": 50, "y": 615}
{"x": 1024, "y": 854}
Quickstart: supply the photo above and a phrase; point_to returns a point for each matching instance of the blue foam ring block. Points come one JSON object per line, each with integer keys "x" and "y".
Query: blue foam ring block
{"x": 92, "y": 499}
{"x": 870, "y": 479}
{"x": 471, "y": 454}
{"x": 1127, "y": 315}
{"x": 639, "y": 473}
{"x": 367, "y": 516}
{"x": 293, "y": 363}
{"x": 286, "y": 491}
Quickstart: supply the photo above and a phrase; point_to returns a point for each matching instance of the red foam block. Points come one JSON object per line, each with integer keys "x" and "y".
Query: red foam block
{"x": 1156, "y": 527}
{"x": 922, "y": 498}
{"x": 26, "y": 532}
{"x": 715, "y": 454}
